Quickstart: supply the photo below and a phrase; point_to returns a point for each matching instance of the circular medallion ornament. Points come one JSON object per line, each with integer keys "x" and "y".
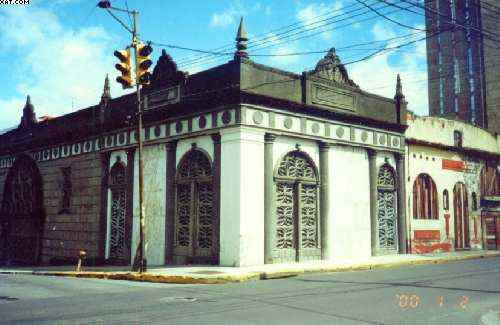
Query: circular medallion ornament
{"x": 364, "y": 136}
{"x": 202, "y": 122}
{"x": 288, "y": 123}
{"x": 157, "y": 131}
{"x": 315, "y": 128}
{"x": 258, "y": 117}
{"x": 395, "y": 142}
{"x": 226, "y": 117}
{"x": 381, "y": 140}
{"x": 178, "y": 127}
{"x": 340, "y": 132}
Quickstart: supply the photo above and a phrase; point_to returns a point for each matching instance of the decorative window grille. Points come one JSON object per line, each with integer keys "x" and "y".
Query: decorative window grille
{"x": 386, "y": 208}
{"x": 196, "y": 220}
{"x": 297, "y": 215}
{"x": 117, "y": 238}
{"x": 425, "y": 203}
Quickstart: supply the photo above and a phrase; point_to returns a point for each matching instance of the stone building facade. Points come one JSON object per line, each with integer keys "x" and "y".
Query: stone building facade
{"x": 453, "y": 185}
{"x": 244, "y": 164}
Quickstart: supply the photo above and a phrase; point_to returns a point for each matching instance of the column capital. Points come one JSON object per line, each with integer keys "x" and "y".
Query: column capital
{"x": 269, "y": 137}
{"x": 170, "y": 145}
{"x": 372, "y": 153}
{"x": 130, "y": 152}
{"x": 323, "y": 146}
{"x": 215, "y": 138}
{"x": 400, "y": 157}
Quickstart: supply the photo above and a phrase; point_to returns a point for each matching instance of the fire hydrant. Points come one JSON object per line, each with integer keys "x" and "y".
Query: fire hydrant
{"x": 81, "y": 257}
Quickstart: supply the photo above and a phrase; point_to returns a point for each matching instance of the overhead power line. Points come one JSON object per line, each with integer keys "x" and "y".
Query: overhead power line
{"x": 486, "y": 33}
{"x": 389, "y": 19}
{"x": 297, "y": 36}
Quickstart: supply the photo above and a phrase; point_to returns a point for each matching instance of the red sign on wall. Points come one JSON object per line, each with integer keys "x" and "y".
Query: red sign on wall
{"x": 427, "y": 235}
{"x": 455, "y": 165}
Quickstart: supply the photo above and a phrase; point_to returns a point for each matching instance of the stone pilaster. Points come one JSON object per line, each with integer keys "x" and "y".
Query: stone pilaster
{"x": 324, "y": 172}
{"x": 216, "y": 190}
{"x": 401, "y": 190}
{"x": 372, "y": 166}
{"x": 130, "y": 201}
{"x": 171, "y": 148}
{"x": 269, "y": 198}
{"x": 103, "y": 212}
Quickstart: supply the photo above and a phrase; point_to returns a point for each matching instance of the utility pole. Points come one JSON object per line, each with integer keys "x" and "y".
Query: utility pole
{"x": 142, "y": 267}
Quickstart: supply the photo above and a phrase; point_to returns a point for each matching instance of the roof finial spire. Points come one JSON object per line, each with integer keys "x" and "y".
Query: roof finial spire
{"x": 106, "y": 93}
{"x": 29, "y": 117}
{"x": 241, "y": 41}
{"x": 399, "y": 88}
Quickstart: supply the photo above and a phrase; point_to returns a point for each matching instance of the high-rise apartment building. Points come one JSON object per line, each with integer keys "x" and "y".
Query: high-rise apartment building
{"x": 463, "y": 60}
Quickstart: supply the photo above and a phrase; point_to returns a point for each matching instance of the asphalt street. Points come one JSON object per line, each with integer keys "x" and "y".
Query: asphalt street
{"x": 466, "y": 292}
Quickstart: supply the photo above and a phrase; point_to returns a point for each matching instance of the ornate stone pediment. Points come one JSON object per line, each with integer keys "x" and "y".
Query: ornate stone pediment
{"x": 330, "y": 67}
{"x": 165, "y": 73}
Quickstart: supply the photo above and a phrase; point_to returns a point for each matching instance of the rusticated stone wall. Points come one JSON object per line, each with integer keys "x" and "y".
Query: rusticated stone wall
{"x": 67, "y": 231}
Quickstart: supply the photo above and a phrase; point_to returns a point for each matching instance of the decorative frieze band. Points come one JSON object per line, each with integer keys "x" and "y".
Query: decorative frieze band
{"x": 324, "y": 129}
{"x": 180, "y": 127}
{"x": 275, "y": 121}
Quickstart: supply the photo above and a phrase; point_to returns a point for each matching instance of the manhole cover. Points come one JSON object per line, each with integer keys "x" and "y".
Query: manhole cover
{"x": 207, "y": 272}
{"x": 178, "y": 299}
{"x": 8, "y": 298}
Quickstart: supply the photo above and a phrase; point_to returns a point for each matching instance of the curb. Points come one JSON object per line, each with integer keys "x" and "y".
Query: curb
{"x": 250, "y": 276}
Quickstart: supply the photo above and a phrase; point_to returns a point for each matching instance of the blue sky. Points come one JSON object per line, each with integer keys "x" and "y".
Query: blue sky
{"x": 59, "y": 51}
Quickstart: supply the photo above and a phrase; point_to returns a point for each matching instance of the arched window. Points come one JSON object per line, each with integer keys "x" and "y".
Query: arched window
{"x": 474, "y": 201}
{"x": 425, "y": 203}
{"x": 297, "y": 217}
{"x": 458, "y": 138}
{"x": 446, "y": 200}
{"x": 490, "y": 181}
{"x": 386, "y": 209}
{"x": 196, "y": 235}
{"x": 117, "y": 223}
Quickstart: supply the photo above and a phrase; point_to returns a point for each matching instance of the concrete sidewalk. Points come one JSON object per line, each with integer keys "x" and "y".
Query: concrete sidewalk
{"x": 218, "y": 274}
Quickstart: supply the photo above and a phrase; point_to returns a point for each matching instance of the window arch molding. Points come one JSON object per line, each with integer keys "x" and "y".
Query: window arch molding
{"x": 425, "y": 198}
{"x": 310, "y": 176}
{"x": 387, "y": 177}
{"x": 193, "y": 154}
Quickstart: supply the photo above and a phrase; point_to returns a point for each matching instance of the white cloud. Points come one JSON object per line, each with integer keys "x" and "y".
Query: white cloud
{"x": 311, "y": 15}
{"x": 236, "y": 10}
{"x": 61, "y": 68}
{"x": 280, "y": 49}
{"x": 378, "y": 75}
{"x": 222, "y": 19}
{"x": 229, "y": 15}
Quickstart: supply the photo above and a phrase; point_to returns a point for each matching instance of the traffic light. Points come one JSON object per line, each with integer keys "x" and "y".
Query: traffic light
{"x": 124, "y": 67}
{"x": 143, "y": 63}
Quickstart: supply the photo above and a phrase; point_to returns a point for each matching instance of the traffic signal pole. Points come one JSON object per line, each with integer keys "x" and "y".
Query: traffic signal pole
{"x": 142, "y": 267}
{"x": 142, "y": 208}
